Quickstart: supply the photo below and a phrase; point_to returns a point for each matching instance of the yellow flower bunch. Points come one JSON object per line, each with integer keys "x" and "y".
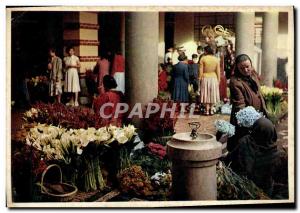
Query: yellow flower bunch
{"x": 270, "y": 91}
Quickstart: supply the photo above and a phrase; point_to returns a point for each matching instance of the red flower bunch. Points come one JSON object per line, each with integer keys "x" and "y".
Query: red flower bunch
{"x": 162, "y": 125}
{"x": 68, "y": 117}
{"x": 157, "y": 149}
{"x": 279, "y": 84}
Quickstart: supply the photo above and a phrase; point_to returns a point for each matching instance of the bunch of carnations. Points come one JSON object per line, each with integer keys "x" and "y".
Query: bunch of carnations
{"x": 61, "y": 115}
{"x": 157, "y": 149}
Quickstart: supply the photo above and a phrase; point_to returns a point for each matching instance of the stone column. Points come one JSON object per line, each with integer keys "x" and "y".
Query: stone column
{"x": 81, "y": 32}
{"x": 141, "y": 57}
{"x": 245, "y": 22}
{"x": 269, "y": 47}
{"x": 161, "y": 44}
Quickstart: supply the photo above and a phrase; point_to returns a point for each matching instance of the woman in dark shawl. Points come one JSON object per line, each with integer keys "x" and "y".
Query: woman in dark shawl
{"x": 244, "y": 91}
{"x": 257, "y": 153}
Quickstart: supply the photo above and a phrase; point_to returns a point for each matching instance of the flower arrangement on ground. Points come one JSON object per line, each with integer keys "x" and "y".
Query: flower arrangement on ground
{"x": 152, "y": 157}
{"x": 78, "y": 149}
{"x": 134, "y": 181}
{"x": 61, "y": 115}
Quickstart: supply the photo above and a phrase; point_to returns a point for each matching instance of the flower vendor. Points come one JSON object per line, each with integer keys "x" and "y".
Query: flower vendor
{"x": 112, "y": 97}
{"x": 257, "y": 154}
{"x": 245, "y": 91}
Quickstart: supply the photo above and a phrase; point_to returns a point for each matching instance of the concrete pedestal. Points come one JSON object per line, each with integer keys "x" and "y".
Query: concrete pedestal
{"x": 194, "y": 166}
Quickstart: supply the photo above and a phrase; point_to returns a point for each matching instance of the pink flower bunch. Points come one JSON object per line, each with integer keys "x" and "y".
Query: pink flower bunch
{"x": 157, "y": 149}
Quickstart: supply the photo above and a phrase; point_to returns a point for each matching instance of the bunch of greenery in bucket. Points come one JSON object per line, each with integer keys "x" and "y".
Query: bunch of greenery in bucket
{"x": 152, "y": 158}
{"x": 79, "y": 151}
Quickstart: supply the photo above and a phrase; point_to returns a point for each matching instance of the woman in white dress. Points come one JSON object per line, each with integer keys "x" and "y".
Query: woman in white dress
{"x": 72, "y": 64}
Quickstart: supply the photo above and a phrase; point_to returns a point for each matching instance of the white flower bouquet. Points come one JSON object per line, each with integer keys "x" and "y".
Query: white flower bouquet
{"x": 85, "y": 144}
{"x": 247, "y": 116}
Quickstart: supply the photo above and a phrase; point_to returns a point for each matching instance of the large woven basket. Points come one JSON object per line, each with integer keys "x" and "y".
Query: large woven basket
{"x": 57, "y": 190}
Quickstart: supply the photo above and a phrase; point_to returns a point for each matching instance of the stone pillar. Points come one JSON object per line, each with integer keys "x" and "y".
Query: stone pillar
{"x": 161, "y": 44}
{"x": 269, "y": 48}
{"x": 81, "y": 32}
{"x": 194, "y": 166}
{"x": 141, "y": 57}
{"x": 245, "y": 22}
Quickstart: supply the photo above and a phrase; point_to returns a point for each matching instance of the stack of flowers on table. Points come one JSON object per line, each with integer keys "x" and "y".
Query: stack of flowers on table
{"x": 246, "y": 117}
{"x": 79, "y": 151}
{"x": 276, "y": 106}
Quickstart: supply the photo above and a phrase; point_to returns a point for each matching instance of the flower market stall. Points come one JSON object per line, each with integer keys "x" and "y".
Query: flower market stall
{"x": 104, "y": 162}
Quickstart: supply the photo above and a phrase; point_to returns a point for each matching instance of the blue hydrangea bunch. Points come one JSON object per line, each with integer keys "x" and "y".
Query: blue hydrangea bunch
{"x": 247, "y": 116}
{"x": 225, "y": 127}
{"x": 226, "y": 109}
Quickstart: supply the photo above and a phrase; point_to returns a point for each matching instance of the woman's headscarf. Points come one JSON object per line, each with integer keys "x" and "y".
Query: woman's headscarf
{"x": 264, "y": 133}
{"x": 241, "y": 58}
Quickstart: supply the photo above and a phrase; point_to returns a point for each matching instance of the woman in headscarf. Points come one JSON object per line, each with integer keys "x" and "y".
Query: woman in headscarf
{"x": 244, "y": 91}
{"x": 257, "y": 154}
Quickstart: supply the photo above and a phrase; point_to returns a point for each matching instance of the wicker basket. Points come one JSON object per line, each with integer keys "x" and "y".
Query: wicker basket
{"x": 57, "y": 191}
